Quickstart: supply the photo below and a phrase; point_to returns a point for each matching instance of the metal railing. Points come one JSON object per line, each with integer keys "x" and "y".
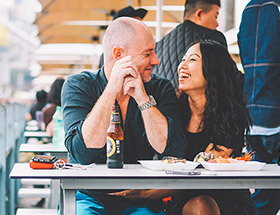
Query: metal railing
{"x": 12, "y": 117}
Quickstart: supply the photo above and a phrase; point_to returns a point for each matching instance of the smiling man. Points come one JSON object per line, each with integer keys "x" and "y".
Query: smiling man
{"x": 149, "y": 113}
{"x": 200, "y": 23}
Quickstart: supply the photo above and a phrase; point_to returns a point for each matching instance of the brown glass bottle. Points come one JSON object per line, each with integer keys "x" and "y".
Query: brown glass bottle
{"x": 115, "y": 140}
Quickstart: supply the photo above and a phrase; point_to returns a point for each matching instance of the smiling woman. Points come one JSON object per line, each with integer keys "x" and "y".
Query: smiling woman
{"x": 215, "y": 119}
{"x": 210, "y": 95}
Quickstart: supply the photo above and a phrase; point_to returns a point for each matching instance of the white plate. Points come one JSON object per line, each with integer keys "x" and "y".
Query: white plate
{"x": 159, "y": 165}
{"x": 152, "y": 164}
{"x": 189, "y": 165}
{"x": 240, "y": 166}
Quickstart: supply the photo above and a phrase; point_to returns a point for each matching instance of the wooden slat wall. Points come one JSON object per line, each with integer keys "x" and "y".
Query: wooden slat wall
{"x": 55, "y": 12}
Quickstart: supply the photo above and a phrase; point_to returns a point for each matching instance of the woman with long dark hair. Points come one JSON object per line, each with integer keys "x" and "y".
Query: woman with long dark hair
{"x": 212, "y": 104}
{"x": 215, "y": 119}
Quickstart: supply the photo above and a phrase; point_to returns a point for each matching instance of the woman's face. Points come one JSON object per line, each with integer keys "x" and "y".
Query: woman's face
{"x": 191, "y": 77}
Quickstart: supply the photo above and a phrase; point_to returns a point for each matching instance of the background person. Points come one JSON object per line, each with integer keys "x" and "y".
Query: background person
{"x": 129, "y": 11}
{"x": 126, "y": 78}
{"x": 200, "y": 22}
{"x": 40, "y": 102}
{"x": 259, "y": 43}
{"x": 54, "y": 100}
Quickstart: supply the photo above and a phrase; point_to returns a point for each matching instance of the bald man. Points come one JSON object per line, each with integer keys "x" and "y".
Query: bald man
{"x": 149, "y": 115}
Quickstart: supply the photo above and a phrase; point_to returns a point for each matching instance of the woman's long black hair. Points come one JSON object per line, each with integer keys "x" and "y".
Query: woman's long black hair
{"x": 224, "y": 97}
{"x": 54, "y": 95}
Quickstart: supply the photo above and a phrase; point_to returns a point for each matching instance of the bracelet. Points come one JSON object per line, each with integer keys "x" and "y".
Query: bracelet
{"x": 148, "y": 104}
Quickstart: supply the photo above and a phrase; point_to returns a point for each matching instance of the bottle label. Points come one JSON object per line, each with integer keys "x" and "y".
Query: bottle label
{"x": 113, "y": 146}
{"x": 115, "y": 118}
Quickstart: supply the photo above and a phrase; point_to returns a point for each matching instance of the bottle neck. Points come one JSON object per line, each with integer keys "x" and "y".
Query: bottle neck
{"x": 115, "y": 114}
{"x": 115, "y": 118}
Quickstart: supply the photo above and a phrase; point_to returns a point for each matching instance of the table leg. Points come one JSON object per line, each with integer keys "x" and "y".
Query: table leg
{"x": 69, "y": 202}
{"x": 54, "y": 193}
{"x": 61, "y": 201}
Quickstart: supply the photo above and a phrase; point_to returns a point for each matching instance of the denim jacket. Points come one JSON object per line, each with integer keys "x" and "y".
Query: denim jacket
{"x": 259, "y": 43}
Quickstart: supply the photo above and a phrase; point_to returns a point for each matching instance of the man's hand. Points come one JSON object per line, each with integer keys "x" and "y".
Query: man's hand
{"x": 94, "y": 128}
{"x": 134, "y": 87}
{"x": 125, "y": 77}
{"x": 132, "y": 194}
{"x": 122, "y": 68}
{"x": 153, "y": 194}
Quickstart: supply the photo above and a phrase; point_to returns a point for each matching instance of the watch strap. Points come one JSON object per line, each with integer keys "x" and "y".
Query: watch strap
{"x": 149, "y": 104}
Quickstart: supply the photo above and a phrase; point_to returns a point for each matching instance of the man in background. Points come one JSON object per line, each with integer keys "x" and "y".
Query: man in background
{"x": 131, "y": 12}
{"x": 200, "y": 22}
{"x": 259, "y": 43}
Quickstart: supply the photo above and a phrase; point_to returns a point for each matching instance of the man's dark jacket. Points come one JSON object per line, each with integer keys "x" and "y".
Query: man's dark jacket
{"x": 171, "y": 48}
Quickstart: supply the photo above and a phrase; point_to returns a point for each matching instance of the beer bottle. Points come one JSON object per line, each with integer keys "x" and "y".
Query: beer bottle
{"x": 115, "y": 138}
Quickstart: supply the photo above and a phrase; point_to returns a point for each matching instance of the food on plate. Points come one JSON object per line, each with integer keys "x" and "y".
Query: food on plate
{"x": 247, "y": 157}
{"x": 203, "y": 156}
{"x": 172, "y": 160}
{"x": 219, "y": 160}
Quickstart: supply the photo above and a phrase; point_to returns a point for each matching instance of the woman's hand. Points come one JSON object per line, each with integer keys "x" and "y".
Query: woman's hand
{"x": 224, "y": 151}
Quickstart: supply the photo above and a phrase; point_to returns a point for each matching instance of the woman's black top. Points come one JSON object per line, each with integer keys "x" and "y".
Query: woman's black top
{"x": 230, "y": 202}
{"x": 197, "y": 142}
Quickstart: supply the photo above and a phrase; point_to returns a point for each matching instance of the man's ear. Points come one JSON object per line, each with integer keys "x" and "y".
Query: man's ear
{"x": 198, "y": 13}
{"x": 117, "y": 52}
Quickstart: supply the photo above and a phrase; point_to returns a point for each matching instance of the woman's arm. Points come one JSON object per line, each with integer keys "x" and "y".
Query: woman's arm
{"x": 49, "y": 128}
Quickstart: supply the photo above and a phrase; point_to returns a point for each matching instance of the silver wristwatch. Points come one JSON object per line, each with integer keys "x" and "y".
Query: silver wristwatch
{"x": 148, "y": 104}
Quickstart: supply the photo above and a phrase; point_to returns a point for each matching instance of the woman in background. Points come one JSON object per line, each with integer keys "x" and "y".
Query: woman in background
{"x": 54, "y": 99}
{"x": 41, "y": 101}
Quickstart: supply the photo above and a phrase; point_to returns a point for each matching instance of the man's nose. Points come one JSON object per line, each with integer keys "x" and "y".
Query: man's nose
{"x": 154, "y": 59}
{"x": 217, "y": 24}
